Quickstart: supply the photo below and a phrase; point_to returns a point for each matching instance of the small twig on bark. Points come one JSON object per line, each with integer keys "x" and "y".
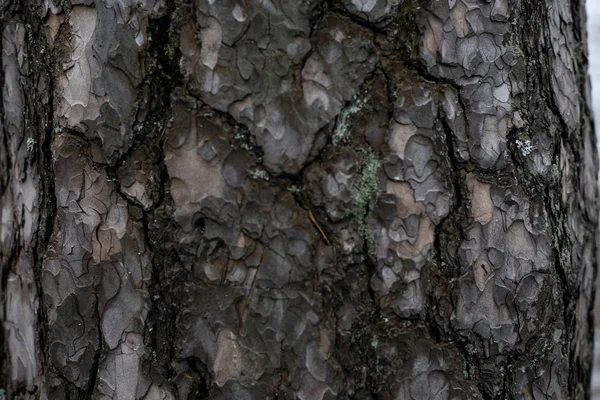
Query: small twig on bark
{"x": 316, "y": 224}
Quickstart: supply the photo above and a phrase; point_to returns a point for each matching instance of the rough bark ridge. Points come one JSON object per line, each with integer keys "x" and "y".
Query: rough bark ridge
{"x": 352, "y": 199}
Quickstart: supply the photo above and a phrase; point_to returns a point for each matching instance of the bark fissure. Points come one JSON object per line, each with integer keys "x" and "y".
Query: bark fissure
{"x": 97, "y": 357}
{"x": 49, "y": 216}
{"x": 445, "y": 234}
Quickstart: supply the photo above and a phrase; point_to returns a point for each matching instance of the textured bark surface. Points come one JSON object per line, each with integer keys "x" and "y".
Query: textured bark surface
{"x": 351, "y": 199}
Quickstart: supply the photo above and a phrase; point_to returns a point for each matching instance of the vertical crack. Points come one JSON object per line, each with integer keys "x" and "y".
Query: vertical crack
{"x": 448, "y": 234}
{"x": 48, "y": 207}
{"x": 96, "y": 363}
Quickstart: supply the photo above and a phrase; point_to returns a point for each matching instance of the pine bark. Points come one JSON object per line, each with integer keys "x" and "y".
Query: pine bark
{"x": 336, "y": 199}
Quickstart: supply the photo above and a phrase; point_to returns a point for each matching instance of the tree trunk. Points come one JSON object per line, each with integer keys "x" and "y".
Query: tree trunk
{"x": 341, "y": 199}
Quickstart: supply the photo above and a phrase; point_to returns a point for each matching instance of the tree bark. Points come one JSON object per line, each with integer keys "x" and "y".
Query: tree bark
{"x": 341, "y": 199}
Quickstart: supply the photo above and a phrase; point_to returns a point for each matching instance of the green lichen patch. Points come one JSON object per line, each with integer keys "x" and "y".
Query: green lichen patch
{"x": 294, "y": 189}
{"x": 365, "y": 193}
{"x": 374, "y": 342}
{"x": 259, "y": 174}
{"x": 341, "y": 133}
{"x": 31, "y": 145}
{"x": 525, "y": 147}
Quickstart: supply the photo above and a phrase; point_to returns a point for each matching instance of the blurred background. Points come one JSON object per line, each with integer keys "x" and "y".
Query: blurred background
{"x": 593, "y": 20}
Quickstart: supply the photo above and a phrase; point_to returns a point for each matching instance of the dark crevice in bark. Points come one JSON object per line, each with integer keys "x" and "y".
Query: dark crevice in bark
{"x": 508, "y": 368}
{"x": 201, "y": 390}
{"x": 112, "y": 176}
{"x": 340, "y": 11}
{"x": 157, "y": 223}
{"x": 97, "y": 356}
{"x": 456, "y": 181}
{"x": 390, "y": 94}
{"x": 162, "y": 315}
{"x": 40, "y": 115}
{"x": 502, "y": 177}
{"x": 446, "y": 242}
{"x": 421, "y": 70}
{"x": 163, "y": 77}
{"x": 561, "y": 244}
{"x": 318, "y": 14}
{"x": 49, "y": 200}
{"x": 371, "y": 266}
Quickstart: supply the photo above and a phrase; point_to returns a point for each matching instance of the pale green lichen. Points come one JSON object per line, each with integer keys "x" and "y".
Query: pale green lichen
{"x": 524, "y": 146}
{"x": 341, "y": 133}
{"x": 374, "y": 342}
{"x": 30, "y": 144}
{"x": 294, "y": 189}
{"x": 518, "y": 48}
{"x": 366, "y": 188}
{"x": 239, "y": 136}
{"x": 259, "y": 174}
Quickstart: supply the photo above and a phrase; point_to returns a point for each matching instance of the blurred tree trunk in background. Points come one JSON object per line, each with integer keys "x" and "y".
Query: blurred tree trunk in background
{"x": 241, "y": 199}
